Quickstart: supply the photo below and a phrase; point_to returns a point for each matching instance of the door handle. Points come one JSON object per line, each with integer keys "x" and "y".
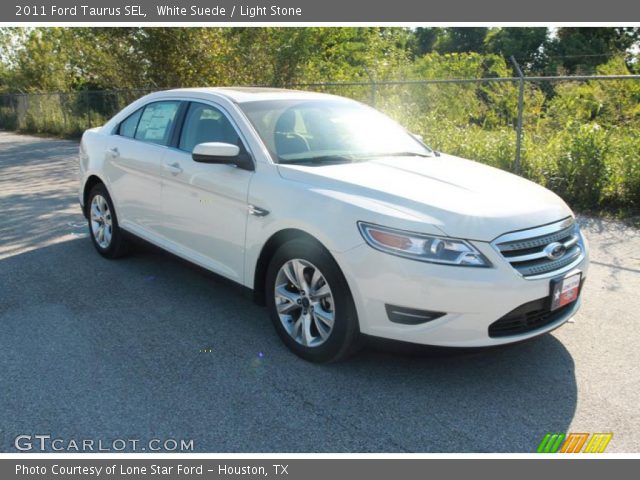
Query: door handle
{"x": 114, "y": 152}
{"x": 173, "y": 168}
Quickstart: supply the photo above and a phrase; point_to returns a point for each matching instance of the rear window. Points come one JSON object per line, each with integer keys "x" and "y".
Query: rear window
{"x": 156, "y": 122}
{"x": 128, "y": 127}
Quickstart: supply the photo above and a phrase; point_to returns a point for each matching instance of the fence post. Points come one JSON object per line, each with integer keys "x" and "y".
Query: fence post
{"x": 516, "y": 164}
{"x": 373, "y": 93}
{"x": 88, "y": 110}
{"x": 61, "y": 102}
{"x": 27, "y": 106}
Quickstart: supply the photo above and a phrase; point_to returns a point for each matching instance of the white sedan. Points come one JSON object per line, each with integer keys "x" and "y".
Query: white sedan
{"x": 337, "y": 218}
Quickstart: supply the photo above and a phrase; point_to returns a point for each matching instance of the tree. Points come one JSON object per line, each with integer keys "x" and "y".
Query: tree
{"x": 523, "y": 43}
{"x": 41, "y": 61}
{"x": 580, "y": 50}
{"x": 461, "y": 39}
{"x": 107, "y": 58}
{"x": 424, "y": 40}
{"x": 185, "y": 57}
{"x": 281, "y": 56}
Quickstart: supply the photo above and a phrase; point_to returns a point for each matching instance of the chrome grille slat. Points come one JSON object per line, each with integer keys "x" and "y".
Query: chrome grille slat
{"x": 549, "y": 266}
{"x": 525, "y": 250}
{"x": 527, "y": 257}
{"x": 571, "y": 242}
{"x": 538, "y": 241}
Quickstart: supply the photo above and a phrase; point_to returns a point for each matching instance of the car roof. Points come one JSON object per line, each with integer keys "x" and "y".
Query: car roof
{"x": 252, "y": 94}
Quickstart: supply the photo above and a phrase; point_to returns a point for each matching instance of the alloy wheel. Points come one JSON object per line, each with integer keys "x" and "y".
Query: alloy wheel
{"x": 101, "y": 221}
{"x": 304, "y": 302}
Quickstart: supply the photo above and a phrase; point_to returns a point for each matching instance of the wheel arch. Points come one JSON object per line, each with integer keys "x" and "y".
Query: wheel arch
{"x": 92, "y": 181}
{"x": 274, "y": 242}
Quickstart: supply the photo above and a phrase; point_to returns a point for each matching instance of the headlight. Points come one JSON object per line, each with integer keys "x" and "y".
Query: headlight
{"x": 426, "y": 248}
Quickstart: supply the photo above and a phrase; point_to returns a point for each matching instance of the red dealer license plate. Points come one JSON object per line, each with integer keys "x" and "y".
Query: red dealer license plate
{"x": 565, "y": 290}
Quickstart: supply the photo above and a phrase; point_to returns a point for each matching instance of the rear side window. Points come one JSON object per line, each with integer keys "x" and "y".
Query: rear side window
{"x": 128, "y": 127}
{"x": 156, "y": 121}
{"x": 205, "y": 123}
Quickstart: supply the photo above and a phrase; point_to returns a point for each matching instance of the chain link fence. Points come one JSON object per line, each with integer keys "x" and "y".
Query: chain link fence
{"x": 64, "y": 114}
{"x": 578, "y": 135}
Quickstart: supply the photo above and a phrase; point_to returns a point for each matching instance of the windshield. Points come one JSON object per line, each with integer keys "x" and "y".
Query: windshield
{"x": 321, "y": 131}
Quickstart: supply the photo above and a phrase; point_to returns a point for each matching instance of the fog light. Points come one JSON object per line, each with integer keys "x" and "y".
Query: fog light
{"x": 411, "y": 316}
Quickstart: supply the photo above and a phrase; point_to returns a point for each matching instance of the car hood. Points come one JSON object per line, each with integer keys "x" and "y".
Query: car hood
{"x": 462, "y": 198}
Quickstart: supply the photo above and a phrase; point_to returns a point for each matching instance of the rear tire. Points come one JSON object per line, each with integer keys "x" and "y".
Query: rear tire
{"x": 106, "y": 235}
{"x": 310, "y": 304}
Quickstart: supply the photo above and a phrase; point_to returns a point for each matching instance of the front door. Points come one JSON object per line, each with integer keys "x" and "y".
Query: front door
{"x": 205, "y": 205}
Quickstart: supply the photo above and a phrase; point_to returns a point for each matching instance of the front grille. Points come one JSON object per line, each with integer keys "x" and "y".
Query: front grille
{"x": 527, "y": 318}
{"x": 531, "y": 252}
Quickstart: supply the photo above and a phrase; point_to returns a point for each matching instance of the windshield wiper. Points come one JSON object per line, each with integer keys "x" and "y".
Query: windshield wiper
{"x": 322, "y": 159}
{"x": 399, "y": 154}
{"x": 318, "y": 160}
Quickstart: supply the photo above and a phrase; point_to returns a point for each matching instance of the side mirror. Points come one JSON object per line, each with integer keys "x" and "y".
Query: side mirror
{"x": 222, "y": 153}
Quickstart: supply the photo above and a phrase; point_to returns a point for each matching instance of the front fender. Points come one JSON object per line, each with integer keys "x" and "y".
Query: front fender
{"x": 330, "y": 216}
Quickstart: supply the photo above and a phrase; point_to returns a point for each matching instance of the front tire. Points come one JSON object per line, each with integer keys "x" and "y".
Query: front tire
{"x": 106, "y": 235}
{"x": 310, "y": 303}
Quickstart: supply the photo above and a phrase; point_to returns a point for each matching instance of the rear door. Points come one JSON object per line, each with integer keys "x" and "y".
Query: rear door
{"x": 133, "y": 163}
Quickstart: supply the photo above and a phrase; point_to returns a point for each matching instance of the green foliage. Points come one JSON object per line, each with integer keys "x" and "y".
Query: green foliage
{"x": 581, "y": 139}
{"x": 424, "y": 40}
{"x": 583, "y": 171}
{"x": 581, "y": 50}
{"x": 64, "y": 59}
{"x": 624, "y": 186}
{"x": 461, "y": 39}
{"x": 524, "y": 43}
{"x": 66, "y": 115}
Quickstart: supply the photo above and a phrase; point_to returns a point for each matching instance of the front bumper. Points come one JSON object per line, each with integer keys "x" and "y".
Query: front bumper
{"x": 471, "y": 298}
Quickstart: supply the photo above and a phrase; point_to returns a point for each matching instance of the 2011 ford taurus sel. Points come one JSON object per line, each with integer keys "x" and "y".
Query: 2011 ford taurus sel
{"x": 336, "y": 217}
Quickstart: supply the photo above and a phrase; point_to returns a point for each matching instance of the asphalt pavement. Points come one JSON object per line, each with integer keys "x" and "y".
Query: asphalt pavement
{"x": 149, "y": 347}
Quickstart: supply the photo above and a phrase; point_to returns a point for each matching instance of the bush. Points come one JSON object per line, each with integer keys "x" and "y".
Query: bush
{"x": 623, "y": 191}
{"x": 582, "y": 167}
{"x": 581, "y": 139}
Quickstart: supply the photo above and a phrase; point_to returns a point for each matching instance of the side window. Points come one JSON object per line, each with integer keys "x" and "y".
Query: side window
{"x": 204, "y": 123}
{"x": 156, "y": 121}
{"x": 128, "y": 127}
